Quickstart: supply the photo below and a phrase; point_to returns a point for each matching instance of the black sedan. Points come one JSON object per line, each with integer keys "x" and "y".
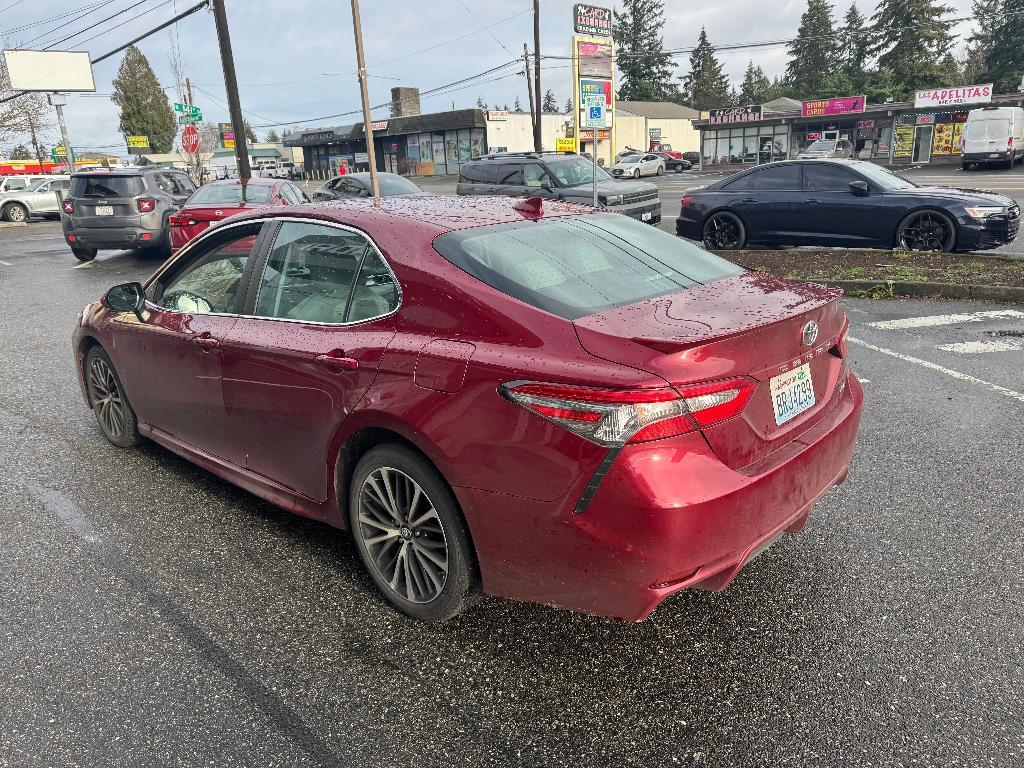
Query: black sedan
{"x": 845, "y": 203}
{"x": 673, "y": 163}
{"x": 358, "y": 185}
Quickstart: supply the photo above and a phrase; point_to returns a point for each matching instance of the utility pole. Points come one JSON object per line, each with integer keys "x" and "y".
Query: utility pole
{"x": 227, "y": 61}
{"x": 529, "y": 94}
{"x": 536, "y": 74}
{"x": 57, "y": 101}
{"x": 357, "y": 30}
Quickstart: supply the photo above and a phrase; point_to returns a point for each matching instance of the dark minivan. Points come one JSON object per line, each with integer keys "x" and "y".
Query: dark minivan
{"x": 120, "y": 209}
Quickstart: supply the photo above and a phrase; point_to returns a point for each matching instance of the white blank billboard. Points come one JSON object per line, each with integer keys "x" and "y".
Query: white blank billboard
{"x": 49, "y": 70}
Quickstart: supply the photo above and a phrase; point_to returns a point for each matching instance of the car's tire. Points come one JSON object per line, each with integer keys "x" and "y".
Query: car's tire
{"x": 678, "y": 168}
{"x": 397, "y": 499}
{"x": 964, "y": 166}
{"x": 723, "y": 231}
{"x": 661, "y": 170}
{"x": 84, "y": 254}
{"x": 114, "y": 413}
{"x": 636, "y": 173}
{"x": 926, "y": 231}
{"x": 16, "y": 213}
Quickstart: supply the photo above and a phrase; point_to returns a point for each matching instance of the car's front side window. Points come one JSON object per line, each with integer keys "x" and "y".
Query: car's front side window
{"x": 310, "y": 274}
{"x": 208, "y": 283}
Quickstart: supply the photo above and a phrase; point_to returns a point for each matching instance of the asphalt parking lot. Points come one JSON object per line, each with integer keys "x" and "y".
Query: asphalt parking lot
{"x": 154, "y": 615}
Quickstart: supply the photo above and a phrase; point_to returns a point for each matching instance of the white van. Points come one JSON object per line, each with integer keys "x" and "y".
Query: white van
{"x": 993, "y": 135}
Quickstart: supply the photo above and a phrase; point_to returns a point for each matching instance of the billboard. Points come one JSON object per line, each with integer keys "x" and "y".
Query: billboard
{"x": 68, "y": 71}
{"x": 949, "y": 97}
{"x": 841, "y": 105}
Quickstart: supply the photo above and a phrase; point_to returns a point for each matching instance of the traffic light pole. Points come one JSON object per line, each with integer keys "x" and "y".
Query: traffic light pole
{"x": 227, "y": 61}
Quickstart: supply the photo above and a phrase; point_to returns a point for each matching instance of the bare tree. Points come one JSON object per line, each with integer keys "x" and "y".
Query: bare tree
{"x": 209, "y": 142}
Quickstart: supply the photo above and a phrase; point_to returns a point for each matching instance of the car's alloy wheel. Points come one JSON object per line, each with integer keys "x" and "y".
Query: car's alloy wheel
{"x": 15, "y": 213}
{"x": 113, "y": 411}
{"x": 678, "y": 168}
{"x": 636, "y": 173}
{"x": 661, "y": 170}
{"x": 723, "y": 231}
{"x": 926, "y": 231}
{"x": 410, "y": 534}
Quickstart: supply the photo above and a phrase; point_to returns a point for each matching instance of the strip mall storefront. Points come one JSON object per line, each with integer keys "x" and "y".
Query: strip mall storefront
{"x": 908, "y": 133}
{"x": 416, "y": 145}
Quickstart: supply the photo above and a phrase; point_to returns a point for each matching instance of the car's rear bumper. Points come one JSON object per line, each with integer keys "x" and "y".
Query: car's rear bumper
{"x": 109, "y": 238}
{"x": 688, "y": 227}
{"x": 667, "y": 516}
{"x": 984, "y": 158}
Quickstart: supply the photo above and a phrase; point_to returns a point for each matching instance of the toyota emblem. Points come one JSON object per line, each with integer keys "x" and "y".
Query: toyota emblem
{"x": 809, "y": 335}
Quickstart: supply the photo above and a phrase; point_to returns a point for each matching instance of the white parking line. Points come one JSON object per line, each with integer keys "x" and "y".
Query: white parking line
{"x": 941, "y": 369}
{"x": 932, "y": 320}
{"x": 85, "y": 264}
{"x": 978, "y": 347}
{"x": 6, "y": 263}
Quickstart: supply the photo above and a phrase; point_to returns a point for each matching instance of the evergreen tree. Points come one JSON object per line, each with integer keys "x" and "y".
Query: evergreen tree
{"x": 706, "y": 86}
{"x": 645, "y": 68}
{"x": 480, "y": 103}
{"x": 1004, "y": 64}
{"x": 272, "y": 137}
{"x": 517, "y": 107}
{"x": 756, "y": 88}
{"x": 250, "y": 134}
{"x": 145, "y": 110}
{"x": 568, "y": 106}
{"x": 812, "y": 52}
{"x": 909, "y": 40}
{"x": 21, "y": 152}
{"x": 988, "y": 15}
{"x": 549, "y": 104}
{"x": 855, "y": 43}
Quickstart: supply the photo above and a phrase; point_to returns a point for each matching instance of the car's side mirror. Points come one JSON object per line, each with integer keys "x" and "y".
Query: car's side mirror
{"x": 859, "y": 188}
{"x": 546, "y": 185}
{"x": 126, "y": 297}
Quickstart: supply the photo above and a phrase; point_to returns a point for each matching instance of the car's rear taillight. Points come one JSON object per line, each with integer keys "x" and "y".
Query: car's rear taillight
{"x": 68, "y": 206}
{"x": 616, "y": 417}
{"x": 686, "y": 200}
{"x": 1009, "y": 143}
{"x": 145, "y": 204}
{"x": 177, "y": 221}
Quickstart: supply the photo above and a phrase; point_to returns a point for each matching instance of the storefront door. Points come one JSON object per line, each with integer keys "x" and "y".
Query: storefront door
{"x": 923, "y": 144}
{"x": 766, "y": 149}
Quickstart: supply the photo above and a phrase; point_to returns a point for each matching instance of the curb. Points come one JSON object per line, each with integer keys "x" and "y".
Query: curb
{"x": 4, "y": 224}
{"x": 941, "y": 290}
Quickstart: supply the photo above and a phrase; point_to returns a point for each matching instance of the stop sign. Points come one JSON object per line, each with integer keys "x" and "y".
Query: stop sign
{"x": 190, "y": 139}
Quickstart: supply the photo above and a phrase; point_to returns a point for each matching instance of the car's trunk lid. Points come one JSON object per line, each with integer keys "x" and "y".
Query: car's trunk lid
{"x": 194, "y": 220}
{"x": 750, "y": 325}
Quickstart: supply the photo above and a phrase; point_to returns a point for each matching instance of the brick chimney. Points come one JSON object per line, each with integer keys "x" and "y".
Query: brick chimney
{"x": 405, "y": 102}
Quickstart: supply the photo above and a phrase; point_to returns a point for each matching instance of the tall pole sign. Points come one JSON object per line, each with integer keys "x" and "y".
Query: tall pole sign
{"x": 593, "y": 74}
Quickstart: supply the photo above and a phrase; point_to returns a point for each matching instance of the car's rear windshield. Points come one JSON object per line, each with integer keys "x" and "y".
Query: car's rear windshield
{"x": 106, "y": 185}
{"x": 575, "y": 266}
{"x": 822, "y": 145}
{"x": 221, "y": 194}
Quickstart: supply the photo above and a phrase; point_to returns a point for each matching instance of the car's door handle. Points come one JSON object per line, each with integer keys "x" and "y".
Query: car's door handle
{"x": 813, "y": 202}
{"x": 206, "y": 341}
{"x": 748, "y": 199}
{"x": 336, "y": 361}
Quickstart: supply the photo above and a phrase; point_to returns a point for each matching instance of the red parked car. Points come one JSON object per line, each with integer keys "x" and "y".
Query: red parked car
{"x": 566, "y": 406}
{"x": 220, "y": 199}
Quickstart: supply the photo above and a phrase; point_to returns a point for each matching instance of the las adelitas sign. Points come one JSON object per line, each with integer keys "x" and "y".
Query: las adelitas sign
{"x": 951, "y": 97}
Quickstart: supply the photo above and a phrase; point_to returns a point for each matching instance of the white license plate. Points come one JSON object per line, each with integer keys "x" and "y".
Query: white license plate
{"x": 792, "y": 393}
{"x": 994, "y": 154}
{"x": 104, "y": 210}
{"x": 645, "y": 216}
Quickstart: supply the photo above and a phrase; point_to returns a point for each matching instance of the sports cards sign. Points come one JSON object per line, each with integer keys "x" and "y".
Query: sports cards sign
{"x": 949, "y": 97}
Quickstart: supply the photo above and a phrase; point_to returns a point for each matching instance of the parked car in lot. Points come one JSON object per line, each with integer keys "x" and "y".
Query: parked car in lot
{"x": 218, "y": 200}
{"x": 639, "y": 164}
{"x": 557, "y": 176}
{"x": 37, "y": 199}
{"x": 358, "y": 185}
{"x": 843, "y": 203}
{"x": 15, "y": 183}
{"x": 693, "y": 157}
{"x": 546, "y": 401}
{"x": 675, "y": 164}
{"x": 993, "y": 136}
{"x": 124, "y": 208}
{"x": 822, "y": 148}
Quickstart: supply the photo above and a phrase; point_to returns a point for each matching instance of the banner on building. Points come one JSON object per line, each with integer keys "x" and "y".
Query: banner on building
{"x": 591, "y": 20}
{"x": 903, "y": 143}
{"x": 842, "y": 105}
{"x": 948, "y": 97}
{"x": 497, "y": 114}
{"x": 749, "y": 114}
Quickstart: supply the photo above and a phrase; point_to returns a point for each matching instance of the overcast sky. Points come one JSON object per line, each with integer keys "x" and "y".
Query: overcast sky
{"x": 295, "y": 59}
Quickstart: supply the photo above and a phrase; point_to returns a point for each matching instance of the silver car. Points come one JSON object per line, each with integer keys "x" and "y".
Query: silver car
{"x": 639, "y": 164}
{"x": 825, "y": 148}
{"x": 37, "y": 199}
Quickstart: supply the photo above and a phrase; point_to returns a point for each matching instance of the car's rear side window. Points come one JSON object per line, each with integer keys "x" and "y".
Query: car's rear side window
{"x": 479, "y": 173}
{"x": 106, "y": 186}
{"x": 575, "y": 266}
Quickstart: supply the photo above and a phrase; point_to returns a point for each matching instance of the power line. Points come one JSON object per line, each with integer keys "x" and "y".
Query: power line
{"x": 123, "y": 23}
{"x": 486, "y": 29}
{"x": 40, "y": 22}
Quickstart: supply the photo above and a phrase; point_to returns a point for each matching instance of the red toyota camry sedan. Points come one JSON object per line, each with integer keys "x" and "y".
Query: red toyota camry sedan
{"x": 561, "y": 405}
